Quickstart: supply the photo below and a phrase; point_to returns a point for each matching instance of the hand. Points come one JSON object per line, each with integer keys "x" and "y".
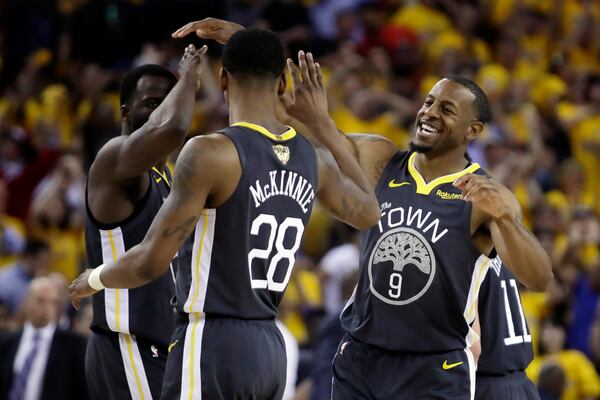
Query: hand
{"x": 209, "y": 28}
{"x": 192, "y": 62}
{"x": 80, "y": 288}
{"x": 484, "y": 193}
{"x": 308, "y": 100}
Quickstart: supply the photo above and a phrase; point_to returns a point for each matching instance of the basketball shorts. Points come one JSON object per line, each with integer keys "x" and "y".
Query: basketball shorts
{"x": 362, "y": 371}
{"x": 515, "y": 386}
{"x": 122, "y": 367}
{"x": 225, "y": 359}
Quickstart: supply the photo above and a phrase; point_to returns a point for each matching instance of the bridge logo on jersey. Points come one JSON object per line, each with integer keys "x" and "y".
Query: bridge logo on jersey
{"x": 401, "y": 267}
{"x": 282, "y": 153}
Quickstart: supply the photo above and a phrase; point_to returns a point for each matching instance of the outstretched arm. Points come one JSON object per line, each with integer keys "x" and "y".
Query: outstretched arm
{"x": 126, "y": 157}
{"x": 343, "y": 187}
{"x": 197, "y": 175}
{"x": 519, "y": 250}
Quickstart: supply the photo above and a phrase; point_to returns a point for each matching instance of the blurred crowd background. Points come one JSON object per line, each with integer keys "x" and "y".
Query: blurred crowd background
{"x": 537, "y": 60}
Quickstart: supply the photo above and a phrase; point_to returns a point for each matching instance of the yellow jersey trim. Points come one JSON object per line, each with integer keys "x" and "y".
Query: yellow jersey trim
{"x": 426, "y": 188}
{"x": 163, "y": 176}
{"x": 287, "y": 135}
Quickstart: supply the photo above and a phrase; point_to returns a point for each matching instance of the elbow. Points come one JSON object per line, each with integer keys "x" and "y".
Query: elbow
{"x": 542, "y": 280}
{"x": 371, "y": 216}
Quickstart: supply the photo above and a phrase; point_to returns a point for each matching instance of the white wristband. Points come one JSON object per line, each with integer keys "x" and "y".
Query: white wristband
{"x": 94, "y": 278}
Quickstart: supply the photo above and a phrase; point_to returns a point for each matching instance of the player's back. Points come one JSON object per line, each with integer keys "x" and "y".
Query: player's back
{"x": 239, "y": 259}
{"x": 234, "y": 268}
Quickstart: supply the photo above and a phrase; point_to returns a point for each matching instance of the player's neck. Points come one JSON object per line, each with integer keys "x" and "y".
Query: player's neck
{"x": 432, "y": 166}
{"x": 257, "y": 109}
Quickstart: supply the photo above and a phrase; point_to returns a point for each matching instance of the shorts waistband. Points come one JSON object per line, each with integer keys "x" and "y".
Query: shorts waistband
{"x": 517, "y": 375}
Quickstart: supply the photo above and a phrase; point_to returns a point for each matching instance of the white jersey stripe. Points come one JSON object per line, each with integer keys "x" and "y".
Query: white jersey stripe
{"x": 201, "y": 259}
{"x": 116, "y": 301}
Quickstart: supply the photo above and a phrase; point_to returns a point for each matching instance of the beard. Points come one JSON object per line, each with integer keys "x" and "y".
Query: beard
{"x": 419, "y": 149}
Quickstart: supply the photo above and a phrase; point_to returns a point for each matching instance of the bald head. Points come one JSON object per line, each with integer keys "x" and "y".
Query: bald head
{"x": 42, "y": 302}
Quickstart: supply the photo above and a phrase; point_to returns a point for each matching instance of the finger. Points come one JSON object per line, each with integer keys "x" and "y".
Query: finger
{"x": 203, "y": 50}
{"x": 303, "y": 66}
{"x": 471, "y": 189}
{"x": 462, "y": 180}
{"x": 312, "y": 72}
{"x": 186, "y": 29}
{"x": 75, "y": 301}
{"x": 319, "y": 74}
{"x": 294, "y": 73}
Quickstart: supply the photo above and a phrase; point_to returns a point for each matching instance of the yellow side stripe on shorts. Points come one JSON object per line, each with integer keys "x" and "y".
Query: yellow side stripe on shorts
{"x": 135, "y": 373}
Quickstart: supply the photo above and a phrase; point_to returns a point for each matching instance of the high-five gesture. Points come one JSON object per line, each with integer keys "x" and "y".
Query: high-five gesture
{"x": 192, "y": 63}
{"x": 308, "y": 99}
{"x": 209, "y": 28}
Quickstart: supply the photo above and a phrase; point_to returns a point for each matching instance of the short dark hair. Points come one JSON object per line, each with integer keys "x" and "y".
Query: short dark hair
{"x": 34, "y": 246}
{"x": 481, "y": 103}
{"x": 255, "y": 52}
{"x": 130, "y": 79}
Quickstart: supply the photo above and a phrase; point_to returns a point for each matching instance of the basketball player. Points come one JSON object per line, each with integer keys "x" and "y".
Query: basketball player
{"x": 506, "y": 348}
{"x": 127, "y": 351}
{"x": 409, "y": 322}
{"x": 239, "y": 203}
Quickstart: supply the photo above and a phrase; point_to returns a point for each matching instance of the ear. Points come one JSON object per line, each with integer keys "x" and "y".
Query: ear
{"x": 282, "y": 84}
{"x": 124, "y": 111}
{"x": 223, "y": 79}
{"x": 474, "y": 130}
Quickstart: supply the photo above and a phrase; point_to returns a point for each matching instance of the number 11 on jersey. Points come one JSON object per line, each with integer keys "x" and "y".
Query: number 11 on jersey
{"x": 512, "y": 337}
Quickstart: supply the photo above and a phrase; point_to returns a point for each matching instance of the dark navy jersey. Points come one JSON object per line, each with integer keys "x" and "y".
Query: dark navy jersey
{"x": 420, "y": 271}
{"x": 143, "y": 311}
{"x": 238, "y": 261}
{"x": 505, "y": 337}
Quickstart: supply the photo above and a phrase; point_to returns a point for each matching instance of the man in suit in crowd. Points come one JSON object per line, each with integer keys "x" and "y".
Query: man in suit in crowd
{"x": 42, "y": 361}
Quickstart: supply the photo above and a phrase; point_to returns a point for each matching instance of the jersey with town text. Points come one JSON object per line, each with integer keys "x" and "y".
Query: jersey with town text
{"x": 419, "y": 268}
{"x": 239, "y": 259}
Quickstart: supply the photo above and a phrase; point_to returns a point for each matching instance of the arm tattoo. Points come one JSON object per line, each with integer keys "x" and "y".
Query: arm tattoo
{"x": 183, "y": 229}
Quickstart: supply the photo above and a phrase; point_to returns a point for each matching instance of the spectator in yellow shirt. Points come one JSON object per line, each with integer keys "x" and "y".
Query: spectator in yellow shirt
{"x": 581, "y": 379}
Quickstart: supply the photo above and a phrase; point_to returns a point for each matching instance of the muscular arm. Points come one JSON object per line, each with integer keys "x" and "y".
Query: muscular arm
{"x": 518, "y": 248}
{"x": 126, "y": 157}
{"x": 198, "y": 174}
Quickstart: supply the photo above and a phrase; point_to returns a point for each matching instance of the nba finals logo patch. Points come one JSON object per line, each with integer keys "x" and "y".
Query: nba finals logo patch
{"x": 282, "y": 152}
{"x": 401, "y": 267}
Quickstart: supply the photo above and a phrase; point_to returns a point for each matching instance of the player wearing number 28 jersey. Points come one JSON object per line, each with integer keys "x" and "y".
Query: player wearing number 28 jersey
{"x": 240, "y": 200}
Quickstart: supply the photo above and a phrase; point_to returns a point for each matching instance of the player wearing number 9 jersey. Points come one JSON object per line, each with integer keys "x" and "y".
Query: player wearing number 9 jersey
{"x": 239, "y": 202}
{"x": 506, "y": 348}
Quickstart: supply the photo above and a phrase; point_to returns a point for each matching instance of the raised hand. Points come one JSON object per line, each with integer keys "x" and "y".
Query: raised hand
{"x": 192, "y": 63}
{"x": 308, "y": 100}
{"x": 484, "y": 193}
{"x": 209, "y": 28}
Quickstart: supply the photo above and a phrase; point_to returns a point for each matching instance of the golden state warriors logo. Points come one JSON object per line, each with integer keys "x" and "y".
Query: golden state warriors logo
{"x": 402, "y": 267}
{"x": 282, "y": 152}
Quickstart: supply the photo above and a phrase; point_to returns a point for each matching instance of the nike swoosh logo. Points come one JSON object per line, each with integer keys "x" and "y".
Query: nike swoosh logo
{"x": 450, "y": 366}
{"x": 172, "y": 345}
{"x": 393, "y": 184}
